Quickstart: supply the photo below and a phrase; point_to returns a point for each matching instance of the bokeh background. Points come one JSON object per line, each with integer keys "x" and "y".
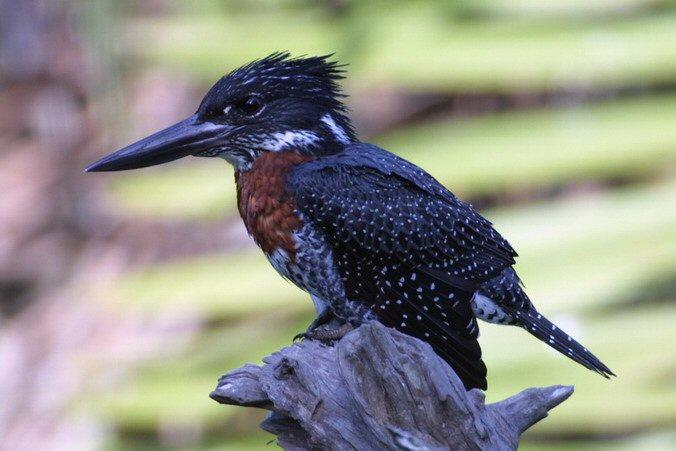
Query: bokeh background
{"x": 124, "y": 296}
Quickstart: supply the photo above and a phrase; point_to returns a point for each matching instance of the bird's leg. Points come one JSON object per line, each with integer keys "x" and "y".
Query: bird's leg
{"x": 326, "y": 333}
{"x": 347, "y": 318}
{"x": 326, "y": 327}
{"x": 323, "y": 318}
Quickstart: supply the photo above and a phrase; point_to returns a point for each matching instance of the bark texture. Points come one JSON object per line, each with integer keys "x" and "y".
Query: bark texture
{"x": 377, "y": 388}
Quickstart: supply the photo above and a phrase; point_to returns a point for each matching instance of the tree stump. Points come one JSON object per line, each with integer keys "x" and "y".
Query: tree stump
{"x": 377, "y": 388}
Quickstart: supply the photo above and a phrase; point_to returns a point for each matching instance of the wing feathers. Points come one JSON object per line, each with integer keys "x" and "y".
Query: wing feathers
{"x": 405, "y": 247}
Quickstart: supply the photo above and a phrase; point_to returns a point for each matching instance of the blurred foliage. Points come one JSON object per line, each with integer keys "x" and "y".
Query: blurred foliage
{"x": 583, "y": 186}
{"x": 422, "y": 44}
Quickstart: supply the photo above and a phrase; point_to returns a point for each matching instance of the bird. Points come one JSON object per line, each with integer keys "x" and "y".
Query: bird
{"x": 369, "y": 235}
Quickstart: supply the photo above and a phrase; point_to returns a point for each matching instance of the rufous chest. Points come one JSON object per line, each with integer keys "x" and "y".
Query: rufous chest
{"x": 267, "y": 209}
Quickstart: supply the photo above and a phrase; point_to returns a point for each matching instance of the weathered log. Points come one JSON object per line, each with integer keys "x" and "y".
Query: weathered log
{"x": 377, "y": 388}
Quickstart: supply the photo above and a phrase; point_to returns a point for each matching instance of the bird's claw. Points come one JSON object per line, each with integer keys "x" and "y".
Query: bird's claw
{"x": 325, "y": 334}
{"x": 323, "y": 319}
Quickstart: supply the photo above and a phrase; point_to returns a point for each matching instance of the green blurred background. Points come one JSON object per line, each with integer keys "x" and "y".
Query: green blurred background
{"x": 124, "y": 296}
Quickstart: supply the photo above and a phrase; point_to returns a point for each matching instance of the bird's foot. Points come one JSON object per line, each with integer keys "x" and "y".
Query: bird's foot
{"x": 328, "y": 331}
{"x": 329, "y": 334}
{"x": 324, "y": 318}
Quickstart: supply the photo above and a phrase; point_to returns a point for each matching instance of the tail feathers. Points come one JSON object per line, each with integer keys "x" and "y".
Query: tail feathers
{"x": 543, "y": 329}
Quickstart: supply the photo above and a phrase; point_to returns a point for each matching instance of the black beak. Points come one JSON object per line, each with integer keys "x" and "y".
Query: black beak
{"x": 185, "y": 138}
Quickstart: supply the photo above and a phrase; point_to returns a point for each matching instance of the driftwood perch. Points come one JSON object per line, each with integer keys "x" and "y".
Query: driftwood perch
{"x": 378, "y": 389}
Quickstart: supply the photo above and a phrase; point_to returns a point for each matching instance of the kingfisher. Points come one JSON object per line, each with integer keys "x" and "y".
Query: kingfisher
{"x": 369, "y": 235}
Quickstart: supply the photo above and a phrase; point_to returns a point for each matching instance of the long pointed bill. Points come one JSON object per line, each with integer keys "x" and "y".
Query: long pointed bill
{"x": 185, "y": 138}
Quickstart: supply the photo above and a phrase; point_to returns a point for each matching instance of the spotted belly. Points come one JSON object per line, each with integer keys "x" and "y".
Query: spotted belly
{"x": 311, "y": 268}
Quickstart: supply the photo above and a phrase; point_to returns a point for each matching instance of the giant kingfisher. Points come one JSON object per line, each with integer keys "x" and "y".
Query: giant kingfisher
{"x": 369, "y": 235}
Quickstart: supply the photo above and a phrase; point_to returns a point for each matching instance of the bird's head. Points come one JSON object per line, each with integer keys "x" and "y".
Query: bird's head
{"x": 274, "y": 104}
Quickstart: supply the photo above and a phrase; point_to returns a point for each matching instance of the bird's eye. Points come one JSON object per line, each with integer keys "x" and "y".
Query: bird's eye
{"x": 250, "y": 105}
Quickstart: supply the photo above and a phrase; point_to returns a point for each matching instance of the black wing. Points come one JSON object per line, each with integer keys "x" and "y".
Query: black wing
{"x": 405, "y": 246}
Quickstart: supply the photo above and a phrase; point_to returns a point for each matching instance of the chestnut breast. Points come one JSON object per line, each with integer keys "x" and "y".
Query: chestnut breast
{"x": 264, "y": 205}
